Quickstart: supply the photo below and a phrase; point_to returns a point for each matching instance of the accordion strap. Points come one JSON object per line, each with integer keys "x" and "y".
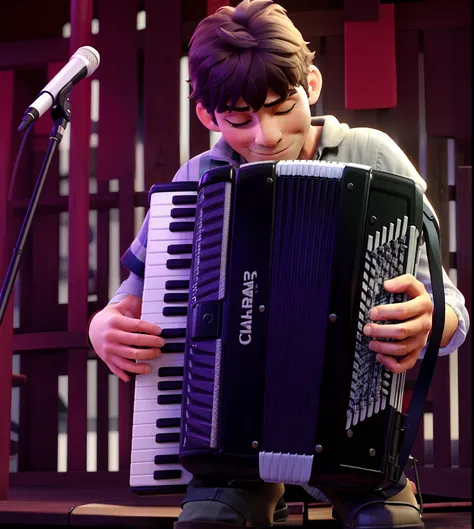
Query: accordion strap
{"x": 423, "y": 381}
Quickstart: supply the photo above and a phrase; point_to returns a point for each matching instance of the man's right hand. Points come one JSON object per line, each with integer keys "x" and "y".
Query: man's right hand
{"x": 118, "y": 335}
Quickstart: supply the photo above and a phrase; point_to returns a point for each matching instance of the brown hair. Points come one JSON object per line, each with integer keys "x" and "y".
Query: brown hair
{"x": 241, "y": 52}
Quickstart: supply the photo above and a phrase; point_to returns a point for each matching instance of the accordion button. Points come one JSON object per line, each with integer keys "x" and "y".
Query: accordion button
{"x": 206, "y": 322}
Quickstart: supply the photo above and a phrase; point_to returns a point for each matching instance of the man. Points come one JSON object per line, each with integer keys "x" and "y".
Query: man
{"x": 253, "y": 79}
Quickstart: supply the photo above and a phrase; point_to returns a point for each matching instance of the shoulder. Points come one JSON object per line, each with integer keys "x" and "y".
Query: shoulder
{"x": 198, "y": 165}
{"x": 376, "y": 148}
{"x": 193, "y": 169}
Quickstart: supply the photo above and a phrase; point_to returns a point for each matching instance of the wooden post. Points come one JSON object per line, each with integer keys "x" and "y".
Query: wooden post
{"x": 78, "y": 248}
{"x": 6, "y": 328}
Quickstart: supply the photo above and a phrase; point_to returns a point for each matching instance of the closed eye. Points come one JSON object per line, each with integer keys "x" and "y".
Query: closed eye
{"x": 281, "y": 113}
{"x": 236, "y": 125}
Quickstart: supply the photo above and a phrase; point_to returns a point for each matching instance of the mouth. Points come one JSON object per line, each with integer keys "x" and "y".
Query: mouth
{"x": 271, "y": 154}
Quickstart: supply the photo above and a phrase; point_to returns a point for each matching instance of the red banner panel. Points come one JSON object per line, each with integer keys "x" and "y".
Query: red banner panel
{"x": 370, "y": 68}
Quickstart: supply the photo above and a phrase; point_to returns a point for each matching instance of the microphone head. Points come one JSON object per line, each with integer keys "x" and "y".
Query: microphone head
{"x": 90, "y": 56}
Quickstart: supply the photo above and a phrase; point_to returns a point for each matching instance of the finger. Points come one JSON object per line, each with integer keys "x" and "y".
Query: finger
{"x": 395, "y": 366}
{"x": 119, "y": 372}
{"x": 399, "y": 348}
{"x": 138, "y": 339}
{"x": 140, "y": 368}
{"x": 399, "y": 331}
{"x": 402, "y": 311}
{"x": 405, "y": 283}
{"x": 134, "y": 353}
{"x": 127, "y": 324}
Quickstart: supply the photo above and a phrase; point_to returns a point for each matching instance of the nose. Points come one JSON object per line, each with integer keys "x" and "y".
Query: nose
{"x": 267, "y": 134}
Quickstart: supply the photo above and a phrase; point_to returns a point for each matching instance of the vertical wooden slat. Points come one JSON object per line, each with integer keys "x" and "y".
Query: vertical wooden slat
{"x": 117, "y": 130}
{"x": 161, "y": 90}
{"x": 78, "y": 248}
{"x": 440, "y": 80}
{"x": 437, "y": 192}
{"x": 463, "y": 93}
{"x": 464, "y": 270}
{"x": 103, "y": 241}
{"x": 6, "y": 328}
{"x": 117, "y": 76}
{"x": 401, "y": 123}
{"x": 441, "y": 415}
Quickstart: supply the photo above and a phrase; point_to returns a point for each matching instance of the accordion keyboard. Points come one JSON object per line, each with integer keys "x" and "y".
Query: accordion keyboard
{"x": 157, "y": 407}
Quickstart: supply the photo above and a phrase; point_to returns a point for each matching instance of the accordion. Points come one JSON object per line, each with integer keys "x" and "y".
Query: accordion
{"x": 272, "y": 273}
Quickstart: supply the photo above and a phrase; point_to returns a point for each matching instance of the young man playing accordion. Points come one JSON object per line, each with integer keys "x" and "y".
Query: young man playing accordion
{"x": 253, "y": 80}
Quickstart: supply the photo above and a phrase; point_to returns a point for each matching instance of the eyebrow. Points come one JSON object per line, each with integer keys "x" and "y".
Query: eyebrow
{"x": 226, "y": 108}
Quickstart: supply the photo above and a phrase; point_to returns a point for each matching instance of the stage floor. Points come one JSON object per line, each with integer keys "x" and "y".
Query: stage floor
{"x": 108, "y": 507}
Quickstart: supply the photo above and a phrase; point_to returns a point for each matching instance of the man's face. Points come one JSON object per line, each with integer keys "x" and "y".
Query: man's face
{"x": 278, "y": 131}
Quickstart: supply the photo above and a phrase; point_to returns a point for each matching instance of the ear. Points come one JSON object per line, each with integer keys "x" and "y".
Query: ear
{"x": 206, "y": 119}
{"x": 315, "y": 82}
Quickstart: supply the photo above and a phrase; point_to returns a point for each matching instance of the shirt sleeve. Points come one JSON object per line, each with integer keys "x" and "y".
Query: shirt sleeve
{"x": 392, "y": 159}
{"x": 134, "y": 257}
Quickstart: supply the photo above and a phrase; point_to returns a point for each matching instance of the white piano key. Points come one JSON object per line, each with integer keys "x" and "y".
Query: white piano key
{"x": 167, "y": 198}
{"x": 148, "y": 430}
{"x": 149, "y": 417}
{"x": 148, "y": 454}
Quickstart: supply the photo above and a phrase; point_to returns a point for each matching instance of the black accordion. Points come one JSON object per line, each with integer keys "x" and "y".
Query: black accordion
{"x": 279, "y": 382}
{"x": 262, "y": 278}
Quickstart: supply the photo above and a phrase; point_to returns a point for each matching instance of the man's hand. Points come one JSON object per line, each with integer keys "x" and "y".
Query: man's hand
{"x": 117, "y": 335}
{"x": 415, "y": 317}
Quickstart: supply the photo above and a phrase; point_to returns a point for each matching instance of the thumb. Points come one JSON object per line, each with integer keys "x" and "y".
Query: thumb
{"x": 130, "y": 306}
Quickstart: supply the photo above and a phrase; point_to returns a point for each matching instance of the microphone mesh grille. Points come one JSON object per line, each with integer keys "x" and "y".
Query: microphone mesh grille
{"x": 91, "y": 58}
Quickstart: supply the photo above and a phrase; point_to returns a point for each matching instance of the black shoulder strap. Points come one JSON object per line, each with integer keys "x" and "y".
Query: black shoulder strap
{"x": 423, "y": 381}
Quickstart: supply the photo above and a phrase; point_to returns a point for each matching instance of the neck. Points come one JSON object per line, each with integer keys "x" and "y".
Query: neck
{"x": 311, "y": 143}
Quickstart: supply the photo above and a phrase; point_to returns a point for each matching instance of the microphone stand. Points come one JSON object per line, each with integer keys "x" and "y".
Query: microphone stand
{"x": 60, "y": 113}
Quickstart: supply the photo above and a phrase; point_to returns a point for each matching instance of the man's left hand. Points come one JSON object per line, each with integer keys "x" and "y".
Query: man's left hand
{"x": 415, "y": 317}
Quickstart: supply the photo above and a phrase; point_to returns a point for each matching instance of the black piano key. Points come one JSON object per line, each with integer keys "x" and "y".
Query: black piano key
{"x": 176, "y": 297}
{"x": 179, "y": 200}
{"x": 176, "y": 249}
{"x": 173, "y": 333}
{"x": 181, "y": 226}
{"x": 178, "y": 264}
{"x": 173, "y": 347}
{"x": 168, "y": 385}
{"x": 177, "y": 284}
{"x": 166, "y": 474}
{"x": 167, "y": 459}
{"x": 179, "y": 213}
{"x": 170, "y": 399}
{"x": 175, "y": 311}
{"x": 171, "y": 371}
{"x": 169, "y": 422}
{"x": 167, "y": 437}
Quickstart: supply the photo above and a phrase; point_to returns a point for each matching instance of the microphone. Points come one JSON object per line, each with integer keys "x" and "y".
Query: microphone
{"x": 82, "y": 64}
